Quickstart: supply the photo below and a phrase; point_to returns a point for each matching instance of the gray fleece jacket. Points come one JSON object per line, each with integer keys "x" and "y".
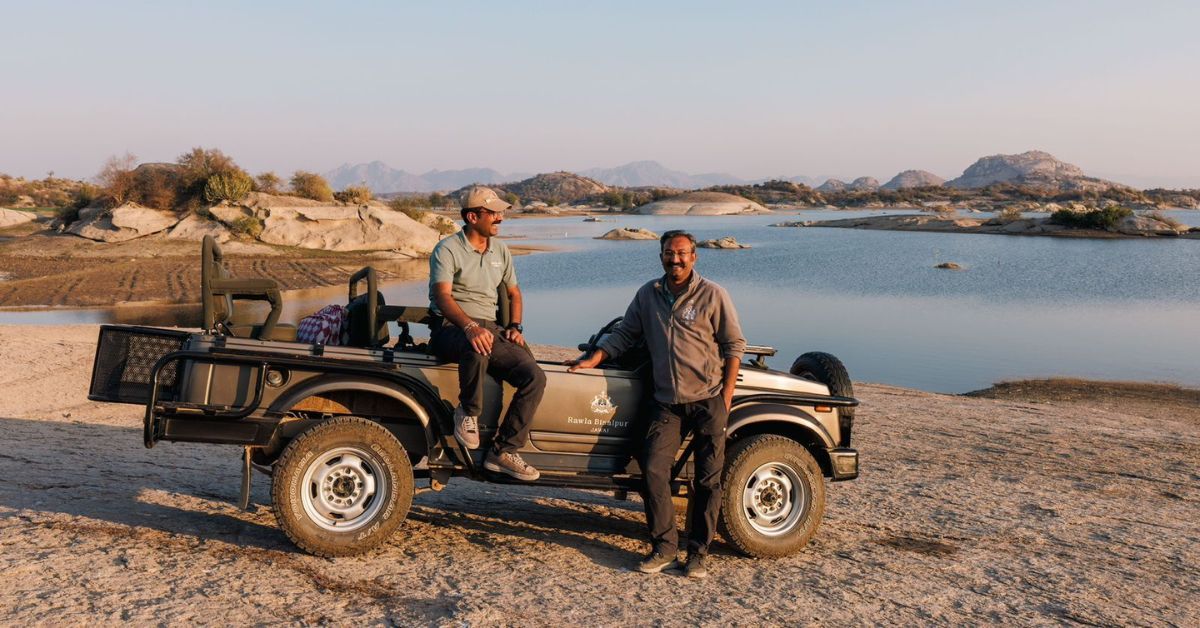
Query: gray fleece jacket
{"x": 689, "y": 338}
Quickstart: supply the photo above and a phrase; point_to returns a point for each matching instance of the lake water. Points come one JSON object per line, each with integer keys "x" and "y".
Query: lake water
{"x": 1023, "y": 307}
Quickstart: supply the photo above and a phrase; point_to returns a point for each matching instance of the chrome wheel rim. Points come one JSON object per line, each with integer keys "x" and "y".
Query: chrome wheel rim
{"x": 774, "y": 499}
{"x": 344, "y": 488}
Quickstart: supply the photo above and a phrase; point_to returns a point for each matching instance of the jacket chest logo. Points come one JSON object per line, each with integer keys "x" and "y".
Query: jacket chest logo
{"x": 689, "y": 312}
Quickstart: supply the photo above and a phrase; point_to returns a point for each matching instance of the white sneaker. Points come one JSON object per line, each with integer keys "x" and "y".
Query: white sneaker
{"x": 466, "y": 428}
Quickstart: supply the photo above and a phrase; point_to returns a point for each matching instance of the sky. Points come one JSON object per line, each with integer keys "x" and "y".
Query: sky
{"x": 755, "y": 89}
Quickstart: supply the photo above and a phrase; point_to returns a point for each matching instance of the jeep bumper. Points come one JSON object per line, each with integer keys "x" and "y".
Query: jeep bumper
{"x": 843, "y": 462}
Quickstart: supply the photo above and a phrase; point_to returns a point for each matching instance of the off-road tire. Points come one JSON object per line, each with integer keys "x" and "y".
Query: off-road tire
{"x": 765, "y": 453}
{"x": 827, "y": 369}
{"x": 381, "y": 455}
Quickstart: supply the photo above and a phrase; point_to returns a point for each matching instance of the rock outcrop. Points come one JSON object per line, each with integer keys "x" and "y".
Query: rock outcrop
{"x": 913, "y": 179}
{"x": 338, "y": 228}
{"x": 832, "y": 185}
{"x": 1034, "y": 168}
{"x": 193, "y": 228}
{"x": 1143, "y": 225}
{"x": 1150, "y": 224}
{"x": 727, "y": 242}
{"x": 702, "y": 204}
{"x": 629, "y": 233}
{"x": 863, "y": 184}
{"x": 126, "y": 222}
{"x": 10, "y": 218}
{"x": 554, "y": 187}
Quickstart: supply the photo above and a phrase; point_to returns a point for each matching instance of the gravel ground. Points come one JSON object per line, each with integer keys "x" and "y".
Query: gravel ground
{"x": 968, "y": 510}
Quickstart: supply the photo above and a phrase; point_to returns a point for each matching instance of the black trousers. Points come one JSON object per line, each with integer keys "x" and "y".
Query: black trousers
{"x": 509, "y": 362}
{"x": 664, "y": 435}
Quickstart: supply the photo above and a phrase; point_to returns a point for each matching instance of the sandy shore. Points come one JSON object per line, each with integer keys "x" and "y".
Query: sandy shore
{"x": 969, "y": 510}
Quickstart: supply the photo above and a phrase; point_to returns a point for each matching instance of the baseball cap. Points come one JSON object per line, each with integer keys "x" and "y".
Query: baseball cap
{"x": 478, "y": 196}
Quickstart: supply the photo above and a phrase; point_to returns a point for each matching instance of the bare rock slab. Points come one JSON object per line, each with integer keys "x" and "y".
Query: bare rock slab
{"x": 727, "y": 242}
{"x": 127, "y": 222}
{"x": 629, "y": 233}
{"x": 10, "y": 218}
{"x": 335, "y": 228}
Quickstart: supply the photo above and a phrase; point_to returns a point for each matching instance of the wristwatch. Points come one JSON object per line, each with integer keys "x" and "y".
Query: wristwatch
{"x": 517, "y": 327}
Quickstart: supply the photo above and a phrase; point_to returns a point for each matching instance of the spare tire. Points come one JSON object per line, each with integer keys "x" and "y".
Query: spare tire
{"x": 827, "y": 369}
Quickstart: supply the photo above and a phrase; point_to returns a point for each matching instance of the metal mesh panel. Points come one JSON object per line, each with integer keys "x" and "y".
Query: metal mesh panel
{"x": 124, "y": 359}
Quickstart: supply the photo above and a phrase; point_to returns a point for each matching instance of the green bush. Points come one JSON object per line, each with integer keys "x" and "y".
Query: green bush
{"x": 311, "y": 185}
{"x": 511, "y": 198}
{"x": 1105, "y": 219}
{"x": 246, "y": 226}
{"x": 354, "y": 194}
{"x": 201, "y": 164}
{"x": 233, "y": 186}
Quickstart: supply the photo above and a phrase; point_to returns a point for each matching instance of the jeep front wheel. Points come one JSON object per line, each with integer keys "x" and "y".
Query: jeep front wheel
{"x": 342, "y": 487}
{"x": 773, "y": 498}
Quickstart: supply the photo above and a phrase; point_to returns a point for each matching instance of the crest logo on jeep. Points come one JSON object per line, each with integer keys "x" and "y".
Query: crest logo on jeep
{"x": 602, "y": 404}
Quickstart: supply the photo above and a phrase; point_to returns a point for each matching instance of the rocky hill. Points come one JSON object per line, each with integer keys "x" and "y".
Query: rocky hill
{"x": 1033, "y": 168}
{"x": 863, "y": 184}
{"x": 832, "y": 185}
{"x": 554, "y": 188}
{"x": 913, "y": 179}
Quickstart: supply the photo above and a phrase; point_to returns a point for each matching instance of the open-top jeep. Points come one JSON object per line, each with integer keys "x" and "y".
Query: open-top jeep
{"x": 347, "y": 431}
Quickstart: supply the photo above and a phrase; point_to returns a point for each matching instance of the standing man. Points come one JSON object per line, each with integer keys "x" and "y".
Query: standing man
{"x": 465, "y": 272}
{"x": 696, "y": 345}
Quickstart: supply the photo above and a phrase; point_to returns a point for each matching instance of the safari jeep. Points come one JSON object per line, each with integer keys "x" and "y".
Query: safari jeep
{"x": 348, "y": 432}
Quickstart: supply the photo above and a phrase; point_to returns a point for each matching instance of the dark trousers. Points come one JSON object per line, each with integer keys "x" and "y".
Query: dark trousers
{"x": 509, "y": 362}
{"x": 664, "y": 435}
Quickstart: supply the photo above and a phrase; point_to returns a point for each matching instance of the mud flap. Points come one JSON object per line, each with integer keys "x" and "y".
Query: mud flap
{"x": 244, "y": 499}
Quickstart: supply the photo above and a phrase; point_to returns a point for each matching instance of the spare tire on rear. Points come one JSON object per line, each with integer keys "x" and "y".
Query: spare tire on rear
{"x": 827, "y": 369}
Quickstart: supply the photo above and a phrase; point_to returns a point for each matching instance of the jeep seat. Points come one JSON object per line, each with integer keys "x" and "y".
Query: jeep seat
{"x": 368, "y": 314}
{"x": 218, "y": 291}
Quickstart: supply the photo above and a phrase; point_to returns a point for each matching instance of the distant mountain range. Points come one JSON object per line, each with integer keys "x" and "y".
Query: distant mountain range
{"x": 1029, "y": 168}
{"x": 652, "y": 173}
{"x": 382, "y": 178}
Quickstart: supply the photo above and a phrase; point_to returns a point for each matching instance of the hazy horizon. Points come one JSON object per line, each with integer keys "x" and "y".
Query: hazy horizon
{"x": 771, "y": 89}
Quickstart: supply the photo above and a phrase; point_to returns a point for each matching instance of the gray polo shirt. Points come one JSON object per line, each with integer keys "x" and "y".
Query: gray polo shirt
{"x": 473, "y": 276}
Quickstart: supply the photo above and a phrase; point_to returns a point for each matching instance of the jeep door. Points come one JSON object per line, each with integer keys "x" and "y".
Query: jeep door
{"x": 588, "y": 421}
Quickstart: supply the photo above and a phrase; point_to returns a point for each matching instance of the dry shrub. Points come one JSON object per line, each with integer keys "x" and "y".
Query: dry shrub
{"x": 157, "y": 187}
{"x": 116, "y": 179}
{"x": 311, "y": 185}
{"x": 354, "y": 194}
{"x": 1009, "y": 214}
{"x": 268, "y": 183}
{"x": 246, "y": 226}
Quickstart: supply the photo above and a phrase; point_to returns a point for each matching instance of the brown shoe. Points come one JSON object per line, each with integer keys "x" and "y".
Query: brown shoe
{"x": 510, "y": 464}
{"x": 695, "y": 567}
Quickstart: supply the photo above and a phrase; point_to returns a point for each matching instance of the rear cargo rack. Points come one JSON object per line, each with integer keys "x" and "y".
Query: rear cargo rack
{"x": 125, "y": 359}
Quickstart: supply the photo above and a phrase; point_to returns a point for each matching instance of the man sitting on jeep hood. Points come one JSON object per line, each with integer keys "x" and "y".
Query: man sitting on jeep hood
{"x": 464, "y": 272}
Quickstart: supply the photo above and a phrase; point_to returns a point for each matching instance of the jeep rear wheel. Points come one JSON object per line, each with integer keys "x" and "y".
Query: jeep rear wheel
{"x": 773, "y": 498}
{"x": 342, "y": 487}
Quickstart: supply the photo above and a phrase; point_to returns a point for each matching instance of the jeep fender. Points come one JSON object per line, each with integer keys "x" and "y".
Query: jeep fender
{"x": 755, "y": 413}
{"x": 405, "y": 390}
